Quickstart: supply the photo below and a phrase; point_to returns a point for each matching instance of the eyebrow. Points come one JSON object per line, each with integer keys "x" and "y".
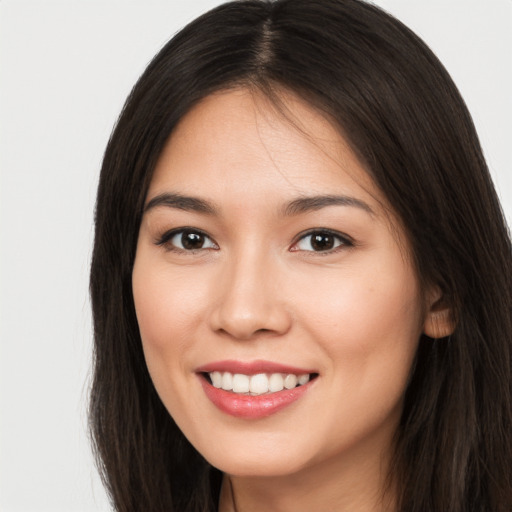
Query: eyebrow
{"x": 311, "y": 203}
{"x": 182, "y": 202}
{"x": 296, "y": 207}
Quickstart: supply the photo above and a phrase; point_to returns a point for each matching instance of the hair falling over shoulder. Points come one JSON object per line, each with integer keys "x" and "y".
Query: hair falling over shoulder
{"x": 404, "y": 118}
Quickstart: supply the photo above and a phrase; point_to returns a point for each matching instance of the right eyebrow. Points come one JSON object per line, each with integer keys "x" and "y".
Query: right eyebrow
{"x": 182, "y": 202}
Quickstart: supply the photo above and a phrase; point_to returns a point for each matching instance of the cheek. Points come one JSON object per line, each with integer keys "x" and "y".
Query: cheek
{"x": 369, "y": 318}
{"x": 167, "y": 306}
{"x": 159, "y": 319}
{"x": 381, "y": 313}
{"x": 369, "y": 330}
{"x": 164, "y": 308}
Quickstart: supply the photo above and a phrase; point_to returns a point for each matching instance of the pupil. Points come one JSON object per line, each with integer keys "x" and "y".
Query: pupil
{"x": 322, "y": 242}
{"x": 192, "y": 240}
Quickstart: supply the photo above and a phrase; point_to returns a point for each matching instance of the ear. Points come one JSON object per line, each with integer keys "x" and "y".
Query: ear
{"x": 439, "y": 320}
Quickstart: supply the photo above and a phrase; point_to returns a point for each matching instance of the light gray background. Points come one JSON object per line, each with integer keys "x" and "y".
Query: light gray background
{"x": 65, "y": 69}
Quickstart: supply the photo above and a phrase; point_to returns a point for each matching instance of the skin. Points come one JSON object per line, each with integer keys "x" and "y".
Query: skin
{"x": 257, "y": 290}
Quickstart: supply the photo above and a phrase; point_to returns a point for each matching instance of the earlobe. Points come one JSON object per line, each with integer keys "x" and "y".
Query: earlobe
{"x": 439, "y": 320}
{"x": 439, "y": 324}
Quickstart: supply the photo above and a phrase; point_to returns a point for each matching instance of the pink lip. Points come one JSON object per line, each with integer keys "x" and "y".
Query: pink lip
{"x": 253, "y": 407}
{"x": 251, "y": 367}
{"x": 246, "y": 406}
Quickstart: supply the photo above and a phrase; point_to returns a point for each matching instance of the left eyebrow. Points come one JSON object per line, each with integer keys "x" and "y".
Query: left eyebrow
{"x": 312, "y": 203}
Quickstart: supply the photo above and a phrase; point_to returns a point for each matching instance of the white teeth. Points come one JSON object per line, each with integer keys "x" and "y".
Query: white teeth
{"x": 240, "y": 383}
{"x": 258, "y": 384}
{"x": 290, "y": 381}
{"x": 275, "y": 383}
{"x": 227, "y": 381}
{"x": 303, "y": 379}
{"x": 216, "y": 379}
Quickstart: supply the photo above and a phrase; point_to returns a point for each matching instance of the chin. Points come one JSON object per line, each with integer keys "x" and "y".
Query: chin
{"x": 257, "y": 467}
{"x": 259, "y": 459}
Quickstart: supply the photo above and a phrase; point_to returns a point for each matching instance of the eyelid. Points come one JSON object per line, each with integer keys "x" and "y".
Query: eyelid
{"x": 346, "y": 241}
{"x": 164, "y": 239}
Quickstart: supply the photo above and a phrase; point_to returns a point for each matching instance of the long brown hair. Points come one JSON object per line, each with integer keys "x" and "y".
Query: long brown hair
{"x": 405, "y": 119}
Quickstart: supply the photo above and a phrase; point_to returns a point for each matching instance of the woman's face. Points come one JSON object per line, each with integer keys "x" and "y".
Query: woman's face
{"x": 266, "y": 259}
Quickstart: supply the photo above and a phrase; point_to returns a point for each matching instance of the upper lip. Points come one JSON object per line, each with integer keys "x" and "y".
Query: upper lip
{"x": 251, "y": 367}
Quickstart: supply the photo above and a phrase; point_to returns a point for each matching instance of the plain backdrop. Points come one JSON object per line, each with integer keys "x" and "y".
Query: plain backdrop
{"x": 65, "y": 70}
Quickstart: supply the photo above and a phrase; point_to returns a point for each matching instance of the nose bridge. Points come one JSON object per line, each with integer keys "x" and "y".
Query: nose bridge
{"x": 250, "y": 301}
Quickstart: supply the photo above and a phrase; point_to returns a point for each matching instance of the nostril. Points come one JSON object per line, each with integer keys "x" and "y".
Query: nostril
{"x": 239, "y": 333}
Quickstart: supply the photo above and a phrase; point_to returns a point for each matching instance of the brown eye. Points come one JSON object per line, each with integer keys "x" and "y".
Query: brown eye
{"x": 190, "y": 240}
{"x": 321, "y": 241}
{"x": 187, "y": 240}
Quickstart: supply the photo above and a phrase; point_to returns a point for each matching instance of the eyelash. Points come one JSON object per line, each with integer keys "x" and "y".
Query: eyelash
{"x": 343, "y": 241}
{"x": 166, "y": 238}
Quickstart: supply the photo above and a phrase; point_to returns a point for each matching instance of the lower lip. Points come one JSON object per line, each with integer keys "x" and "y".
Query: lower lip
{"x": 252, "y": 407}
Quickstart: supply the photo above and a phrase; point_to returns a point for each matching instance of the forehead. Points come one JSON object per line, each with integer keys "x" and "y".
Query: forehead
{"x": 239, "y": 139}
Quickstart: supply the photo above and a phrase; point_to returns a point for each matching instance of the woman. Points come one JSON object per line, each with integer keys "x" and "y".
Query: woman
{"x": 301, "y": 278}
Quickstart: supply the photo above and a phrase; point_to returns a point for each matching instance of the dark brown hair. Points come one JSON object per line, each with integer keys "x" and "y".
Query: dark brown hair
{"x": 405, "y": 119}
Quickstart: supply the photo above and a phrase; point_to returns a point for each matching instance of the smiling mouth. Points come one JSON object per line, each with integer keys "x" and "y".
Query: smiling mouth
{"x": 258, "y": 384}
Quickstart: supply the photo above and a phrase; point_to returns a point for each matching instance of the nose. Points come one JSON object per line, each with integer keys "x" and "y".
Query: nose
{"x": 250, "y": 300}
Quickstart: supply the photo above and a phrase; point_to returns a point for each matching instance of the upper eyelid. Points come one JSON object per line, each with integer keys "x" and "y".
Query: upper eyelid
{"x": 169, "y": 234}
{"x": 347, "y": 243}
{"x": 332, "y": 232}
